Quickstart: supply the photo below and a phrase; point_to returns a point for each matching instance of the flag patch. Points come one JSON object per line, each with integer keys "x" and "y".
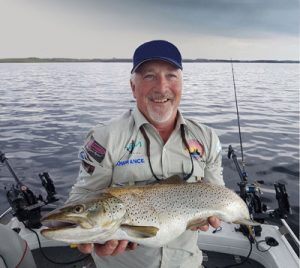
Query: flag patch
{"x": 95, "y": 150}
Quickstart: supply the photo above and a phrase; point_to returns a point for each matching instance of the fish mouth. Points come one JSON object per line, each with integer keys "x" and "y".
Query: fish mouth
{"x": 61, "y": 221}
{"x": 55, "y": 225}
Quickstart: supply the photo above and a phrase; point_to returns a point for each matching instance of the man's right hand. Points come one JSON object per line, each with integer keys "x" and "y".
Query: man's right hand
{"x": 110, "y": 248}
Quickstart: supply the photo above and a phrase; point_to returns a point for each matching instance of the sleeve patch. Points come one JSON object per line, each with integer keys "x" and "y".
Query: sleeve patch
{"x": 95, "y": 150}
{"x": 88, "y": 168}
{"x": 84, "y": 156}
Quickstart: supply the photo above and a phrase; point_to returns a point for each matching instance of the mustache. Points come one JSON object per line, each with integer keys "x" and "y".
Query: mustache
{"x": 158, "y": 96}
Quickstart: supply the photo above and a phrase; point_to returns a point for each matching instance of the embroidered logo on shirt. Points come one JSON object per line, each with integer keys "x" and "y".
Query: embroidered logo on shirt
{"x": 132, "y": 145}
{"x": 95, "y": 150}
{"x": 196, "y": 149}
{"x": 131, "y": 162}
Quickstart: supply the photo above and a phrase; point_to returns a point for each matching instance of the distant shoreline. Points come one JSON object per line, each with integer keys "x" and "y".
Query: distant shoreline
{"x": 58, "y": 60}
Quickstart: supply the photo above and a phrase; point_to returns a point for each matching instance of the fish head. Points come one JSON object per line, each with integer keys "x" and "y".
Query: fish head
{"x": 101, "y": 215}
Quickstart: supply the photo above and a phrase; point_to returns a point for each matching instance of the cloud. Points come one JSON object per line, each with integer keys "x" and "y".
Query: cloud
{"x": 244, "y": 18}
{"x": 219, "y": 17}
{"x": 113, "y": 28}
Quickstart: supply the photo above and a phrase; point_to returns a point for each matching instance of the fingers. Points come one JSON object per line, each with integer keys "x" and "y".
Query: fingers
{"x": 106, "y": 249}
{"x": 114, "y": 247}
{"x": 203, "y": 228}
{"x": 120, "y": 248}
{"x": 110, "y": 248}
{"x": 85, "y": 248}
{"x": 214, "y": 222}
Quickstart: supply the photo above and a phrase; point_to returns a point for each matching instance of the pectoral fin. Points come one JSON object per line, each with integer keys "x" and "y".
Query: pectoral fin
{"x": 140, "y": 231}
{"x": 247, "y": 222}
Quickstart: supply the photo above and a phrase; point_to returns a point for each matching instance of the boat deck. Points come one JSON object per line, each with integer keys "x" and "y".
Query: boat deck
{"x": 219, "y": 260}
{"x": 66, "y": 254}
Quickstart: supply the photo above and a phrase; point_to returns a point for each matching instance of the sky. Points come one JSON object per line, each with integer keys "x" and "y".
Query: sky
{"x": 211, "y": 29}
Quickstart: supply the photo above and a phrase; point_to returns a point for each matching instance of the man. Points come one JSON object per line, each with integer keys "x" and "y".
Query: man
{"x": 148, "y": 144}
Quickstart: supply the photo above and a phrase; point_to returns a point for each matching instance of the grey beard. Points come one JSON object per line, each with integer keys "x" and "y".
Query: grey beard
{"x": 158, "y": 117}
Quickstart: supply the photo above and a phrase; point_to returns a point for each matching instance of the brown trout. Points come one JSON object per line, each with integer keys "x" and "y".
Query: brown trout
{"x": 152, "y": 215}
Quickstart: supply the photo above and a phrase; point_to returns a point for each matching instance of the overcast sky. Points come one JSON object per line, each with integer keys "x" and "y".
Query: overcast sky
{"x": 238, "y": 29}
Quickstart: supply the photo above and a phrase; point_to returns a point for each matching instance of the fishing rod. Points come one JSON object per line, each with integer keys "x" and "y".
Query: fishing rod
{"x": 242, "y": 172}
{"x": 4, "y": 160}
{"x": 250, "y": 192}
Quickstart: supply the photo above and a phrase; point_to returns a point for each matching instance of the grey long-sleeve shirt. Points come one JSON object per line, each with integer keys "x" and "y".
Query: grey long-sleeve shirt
{"x": 114, "y": 153}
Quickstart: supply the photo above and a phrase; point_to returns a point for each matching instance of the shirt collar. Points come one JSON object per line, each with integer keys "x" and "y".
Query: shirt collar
{"x": 140, "y": 119}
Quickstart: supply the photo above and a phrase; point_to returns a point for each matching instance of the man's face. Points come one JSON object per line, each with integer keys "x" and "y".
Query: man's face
{"x": 157, "y": 87}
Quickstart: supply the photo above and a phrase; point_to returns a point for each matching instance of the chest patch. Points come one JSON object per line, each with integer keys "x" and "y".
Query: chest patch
{"x": 196, "y": 149}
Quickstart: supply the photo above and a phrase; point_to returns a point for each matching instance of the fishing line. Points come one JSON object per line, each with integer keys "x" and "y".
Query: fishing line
{"x": 245, "y": 260}
{"x": 238, "y": 117}
{"x": 49, "y": 259}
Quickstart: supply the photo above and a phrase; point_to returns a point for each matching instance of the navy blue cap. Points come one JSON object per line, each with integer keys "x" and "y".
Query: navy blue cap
{"x": 156, "y": 50}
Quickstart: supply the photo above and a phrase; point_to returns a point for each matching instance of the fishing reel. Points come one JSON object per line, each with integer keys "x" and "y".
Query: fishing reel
{"x": 25, "y": 205}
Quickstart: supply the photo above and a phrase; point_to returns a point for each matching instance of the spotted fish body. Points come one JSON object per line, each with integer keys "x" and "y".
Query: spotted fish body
{"x": 151, "y": 215}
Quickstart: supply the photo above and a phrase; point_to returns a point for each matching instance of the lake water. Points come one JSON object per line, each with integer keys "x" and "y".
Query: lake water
{"x": 46, "y": 109}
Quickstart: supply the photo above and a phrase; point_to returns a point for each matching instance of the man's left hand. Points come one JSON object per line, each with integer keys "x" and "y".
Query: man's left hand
{"x": 213, "y": 221}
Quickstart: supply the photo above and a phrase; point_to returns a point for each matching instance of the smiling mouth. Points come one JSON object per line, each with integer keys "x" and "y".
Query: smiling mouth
{"x": 160, "y": 100}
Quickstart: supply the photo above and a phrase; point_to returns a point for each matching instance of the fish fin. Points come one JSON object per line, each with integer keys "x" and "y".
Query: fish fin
{"x": 140, "y": 231}
{"x": 196, "y": 223}
{"x": 175, "y": 179}
{"x": 247, "y": 222}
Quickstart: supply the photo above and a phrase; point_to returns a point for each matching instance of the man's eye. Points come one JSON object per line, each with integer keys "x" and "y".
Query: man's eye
{"x": 172, "y": 75}
{"x": 149, "y": 76}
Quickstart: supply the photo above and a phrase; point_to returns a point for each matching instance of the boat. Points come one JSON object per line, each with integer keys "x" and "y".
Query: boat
{"x": 272, "y": 244}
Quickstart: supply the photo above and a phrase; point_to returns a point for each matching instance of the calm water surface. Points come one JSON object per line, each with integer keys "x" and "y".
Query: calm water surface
{"x": 46, "y": 109}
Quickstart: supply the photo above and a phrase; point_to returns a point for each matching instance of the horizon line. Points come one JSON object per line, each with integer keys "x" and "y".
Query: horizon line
{"x": 129, "y": 60}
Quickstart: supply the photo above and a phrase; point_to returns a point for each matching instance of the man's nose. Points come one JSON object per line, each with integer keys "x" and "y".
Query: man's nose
{"x": 162, "y": 84}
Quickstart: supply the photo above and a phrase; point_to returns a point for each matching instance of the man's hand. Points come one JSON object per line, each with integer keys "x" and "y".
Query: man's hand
{"x": 110, "y": 248}
{"x": 213, "y": 221}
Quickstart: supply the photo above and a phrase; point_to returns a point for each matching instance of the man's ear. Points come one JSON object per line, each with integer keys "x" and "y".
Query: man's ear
{"x": 132, "y": 85}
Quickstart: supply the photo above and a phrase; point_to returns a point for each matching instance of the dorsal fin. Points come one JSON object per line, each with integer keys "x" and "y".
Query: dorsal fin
{"x": 175, "y": 179}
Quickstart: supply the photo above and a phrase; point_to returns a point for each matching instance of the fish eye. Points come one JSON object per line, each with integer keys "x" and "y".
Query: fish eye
{"x": 78, "y": 209}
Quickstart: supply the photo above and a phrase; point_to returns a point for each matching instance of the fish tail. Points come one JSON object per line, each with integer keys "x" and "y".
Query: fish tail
{"x": 247, "y": 222}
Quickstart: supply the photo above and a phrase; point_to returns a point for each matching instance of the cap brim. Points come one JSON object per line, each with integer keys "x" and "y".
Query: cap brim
{"x": 157, "y": 58}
